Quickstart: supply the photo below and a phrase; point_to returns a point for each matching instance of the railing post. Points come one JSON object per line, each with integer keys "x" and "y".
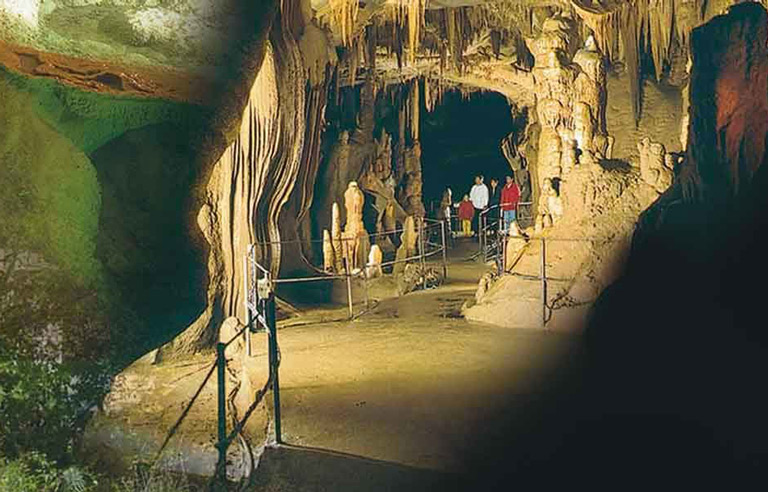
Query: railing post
{"x": 422, "y": 260}
{"x": 543, "y": 282}
{"x": 501, "y": 252}
{"x": 445, "y": 252}
{"x": 221, "y": 365}
{"x": 246, "y": 289}
{"x": 274, "y": 362}
{"x": 480, "y": 235}
{"x": 349, "y": 280}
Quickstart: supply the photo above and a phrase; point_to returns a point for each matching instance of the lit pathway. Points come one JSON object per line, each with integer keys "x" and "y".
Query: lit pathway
{"x": 393, "y": 400}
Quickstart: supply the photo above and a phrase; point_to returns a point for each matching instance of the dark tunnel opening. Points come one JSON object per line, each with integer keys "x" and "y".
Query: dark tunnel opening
{"x": 460, "y": 139}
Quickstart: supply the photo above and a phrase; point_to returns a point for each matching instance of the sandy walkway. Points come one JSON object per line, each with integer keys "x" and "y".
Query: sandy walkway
{"x": 409, "y": 386}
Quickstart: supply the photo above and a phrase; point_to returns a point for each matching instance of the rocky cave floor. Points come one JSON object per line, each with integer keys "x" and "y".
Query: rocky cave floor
{"x": 392, "y": 400}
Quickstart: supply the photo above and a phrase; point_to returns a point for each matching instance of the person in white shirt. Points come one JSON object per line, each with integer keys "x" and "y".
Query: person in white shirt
{"x": 479, "y": 198}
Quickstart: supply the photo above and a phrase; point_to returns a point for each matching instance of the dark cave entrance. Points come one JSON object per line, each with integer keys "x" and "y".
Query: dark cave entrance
{"x": 462, "y": 138}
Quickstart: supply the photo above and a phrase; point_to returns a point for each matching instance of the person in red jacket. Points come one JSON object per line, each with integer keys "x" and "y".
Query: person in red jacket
{"x": 510, "y": 196}
{"x": 466, "y": 213}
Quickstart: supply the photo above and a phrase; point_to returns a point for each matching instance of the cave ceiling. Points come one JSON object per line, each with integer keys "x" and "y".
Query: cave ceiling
{"x": 180, "y": 49}
{"x": 173, "y": 49}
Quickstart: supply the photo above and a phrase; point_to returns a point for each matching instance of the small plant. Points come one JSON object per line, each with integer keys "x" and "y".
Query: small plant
{"x": 43, "y": 405}
{"x": 146, "y": 479}
{"x": 31, "y": 472}
{"x": 75, "y": 479}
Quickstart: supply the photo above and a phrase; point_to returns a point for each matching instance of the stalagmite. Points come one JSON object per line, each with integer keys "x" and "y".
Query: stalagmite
{"x": 328, "y": 253}
{"x": 571, "y": 106}
{"x": 355, "y": 236}
{"x": 407, "y": 247}
{"x": 373, "y": 268}
{"x": 336, "y": 238}
{"x": 388, "y": 221}
{"x": 568, "y": 155}
{"x": 583, "y": 126}
{"x": 656, "y": 166}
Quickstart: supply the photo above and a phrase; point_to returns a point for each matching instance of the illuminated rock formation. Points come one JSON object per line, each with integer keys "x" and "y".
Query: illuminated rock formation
{"x": 656, "y": 166}
{"x": 336, "y": 239}
{"x": 571, "y": 104}
{"x": 408, "y": 242}
{"x": 355, "y": 236}
{"x": 329, "y": 256}
{"x": 373, "y": 267}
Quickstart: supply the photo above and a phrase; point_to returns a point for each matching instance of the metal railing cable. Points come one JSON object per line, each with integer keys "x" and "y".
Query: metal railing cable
{"x": 547, "y": 307}
{"x": 425, "y": 249}
{"x": 260, "y": 308}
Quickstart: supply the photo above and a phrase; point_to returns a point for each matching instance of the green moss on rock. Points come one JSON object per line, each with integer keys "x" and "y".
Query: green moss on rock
{"x": 50, "y": 201}
{"x": 90, "y": 119}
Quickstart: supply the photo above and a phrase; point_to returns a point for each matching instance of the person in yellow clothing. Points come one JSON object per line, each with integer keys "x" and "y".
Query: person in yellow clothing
{"x": 466, "y": 213}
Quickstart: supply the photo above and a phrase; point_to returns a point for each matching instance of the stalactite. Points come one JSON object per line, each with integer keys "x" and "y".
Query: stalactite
{"x": 630, "y": 35}
{"x": 416, "y": 10}
{"x": 430, "y": 94}
{"x": 353, "y": 57}
{"x": 345, "y": 14}
{"x": 412, "y": 14}
{"x": 641, "y": 26}
{"x": 371, "y": 40}
{"x": 451, "y": 31}
{"x": 292, "y": 17}
{"x": 415, "y": 110}
{"x": 659, "y": 32}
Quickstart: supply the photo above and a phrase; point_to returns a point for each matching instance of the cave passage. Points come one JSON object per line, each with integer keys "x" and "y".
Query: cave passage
{"x": 460, "y": 139}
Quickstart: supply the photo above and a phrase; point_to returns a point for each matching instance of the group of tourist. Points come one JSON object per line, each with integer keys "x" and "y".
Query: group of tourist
{"x": 500, "y": 203}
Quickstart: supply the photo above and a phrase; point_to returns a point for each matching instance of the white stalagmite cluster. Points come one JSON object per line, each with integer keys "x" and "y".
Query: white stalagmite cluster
{"x": 347, "y": 250}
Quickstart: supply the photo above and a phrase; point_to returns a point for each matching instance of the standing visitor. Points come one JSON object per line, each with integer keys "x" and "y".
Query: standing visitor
{"x": 510, "y": 196}
{"x": 466, "y": 213}
{"x": 444, "y": 212}
{"x": 479, "y": 197}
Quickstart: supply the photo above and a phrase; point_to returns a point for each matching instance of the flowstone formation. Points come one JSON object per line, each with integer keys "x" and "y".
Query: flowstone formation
{"x": 571, "y": 101}
{"x": 657, "y": 167}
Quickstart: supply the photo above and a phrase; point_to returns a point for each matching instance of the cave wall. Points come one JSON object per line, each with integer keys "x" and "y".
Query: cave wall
{"x": 105, "y": 233}
{"x": 695, "y": 253}
{"x": 254, "y": 179}
{"x": 140, "y": 273}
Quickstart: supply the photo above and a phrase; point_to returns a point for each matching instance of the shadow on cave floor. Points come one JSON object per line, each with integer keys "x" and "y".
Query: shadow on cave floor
{"x": 303, "y": 468}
